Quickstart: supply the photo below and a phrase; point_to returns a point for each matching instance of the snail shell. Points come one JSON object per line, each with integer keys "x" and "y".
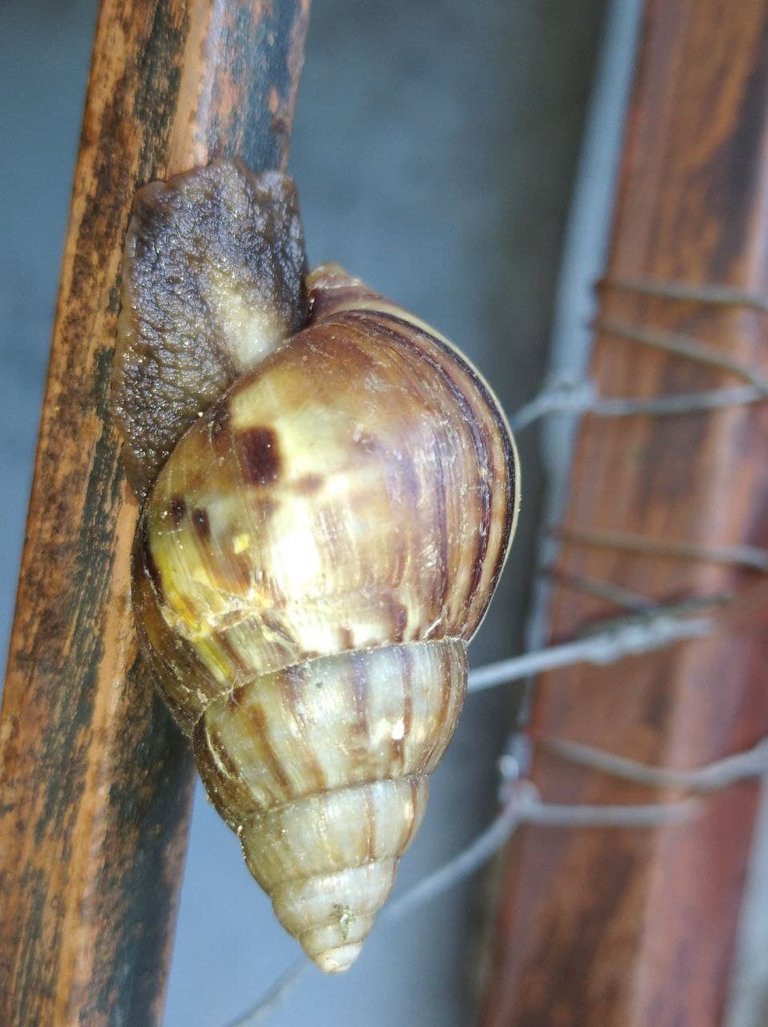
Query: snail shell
{"x": 311, "y": 561}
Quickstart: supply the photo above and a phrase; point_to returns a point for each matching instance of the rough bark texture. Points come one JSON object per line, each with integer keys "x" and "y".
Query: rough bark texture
{"x": 94, "y": 779}
{"x": 636, "y": 927}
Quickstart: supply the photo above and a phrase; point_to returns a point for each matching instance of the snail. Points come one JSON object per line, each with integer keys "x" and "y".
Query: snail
{"x": 329, "y": 491}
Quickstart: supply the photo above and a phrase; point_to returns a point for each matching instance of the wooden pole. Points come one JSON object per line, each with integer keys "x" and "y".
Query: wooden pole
{"x": 634, "y": 927}
{"x": 95, "y": 782}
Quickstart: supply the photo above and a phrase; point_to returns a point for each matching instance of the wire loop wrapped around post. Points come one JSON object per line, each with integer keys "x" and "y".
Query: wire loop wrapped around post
{"x": 644, "y": 936}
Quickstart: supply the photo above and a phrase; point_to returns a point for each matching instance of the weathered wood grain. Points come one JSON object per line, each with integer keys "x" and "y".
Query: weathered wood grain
{"x": 626, "y": 928}
{"x": 94, "y": 780}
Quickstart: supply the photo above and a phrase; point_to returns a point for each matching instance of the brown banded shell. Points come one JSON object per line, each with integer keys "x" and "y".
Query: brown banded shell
{"x": 309, "y": 566}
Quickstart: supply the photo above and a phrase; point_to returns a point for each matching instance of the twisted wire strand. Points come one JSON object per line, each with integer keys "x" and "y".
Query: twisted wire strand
{"x": 751, "y": 557}
{"x": 624, "y": 637}
{"x": 617, "y": 595}
{"x": 271, "y": 999}
{"x": 708, "y": 293}
{"x": 566, "y": 396}
{"x": 710, "y": 778}
{"x": 579, "y": 397}
{"x": 686, "y": 346}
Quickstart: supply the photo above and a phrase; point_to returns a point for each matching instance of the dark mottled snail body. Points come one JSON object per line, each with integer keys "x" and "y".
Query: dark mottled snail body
{"x": 310, "y": 563}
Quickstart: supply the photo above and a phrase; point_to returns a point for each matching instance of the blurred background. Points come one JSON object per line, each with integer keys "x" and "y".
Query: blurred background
{"x": 436, "y": 149}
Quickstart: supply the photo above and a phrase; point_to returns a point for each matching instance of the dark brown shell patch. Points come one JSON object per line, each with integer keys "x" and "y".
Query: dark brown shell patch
{"x": 201, "y": 524}
{"x": 260, "y": 455}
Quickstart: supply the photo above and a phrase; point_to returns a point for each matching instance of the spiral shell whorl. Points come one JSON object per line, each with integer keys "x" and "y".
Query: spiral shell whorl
{"x": 354, "y": 490}
{"x": 325, "y": 816}
{"x": 312, "y": 560}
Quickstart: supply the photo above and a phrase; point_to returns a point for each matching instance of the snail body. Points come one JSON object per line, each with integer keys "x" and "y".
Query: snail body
{"x": 310, "y": 563}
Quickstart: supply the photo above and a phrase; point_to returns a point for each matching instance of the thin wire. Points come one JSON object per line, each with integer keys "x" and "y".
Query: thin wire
{"x": 718, "y": 295}
{"x": 523, "y": 806}
{"x": 463, "y": 865}
{"x": 685, "y": 346}
{"x": 746, "y": 556}
{"x": 616, "y": 594}
{"x": 712, "y": 777}
{"x": 569, "y": 397}
{"x": 631, "y": 601}
{"x": 548, "y": 814}
{"x": 466, "y": 863}
{"x": 678, "y": 403}
{"x": 628, "y": 638}
{"x": 565, "y": 396}
{"x": 271, "y": 1000}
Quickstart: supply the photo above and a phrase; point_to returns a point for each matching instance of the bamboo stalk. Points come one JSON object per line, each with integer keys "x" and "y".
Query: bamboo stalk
{"x": 636, "y": 927}
{"x": 95, "y": 781}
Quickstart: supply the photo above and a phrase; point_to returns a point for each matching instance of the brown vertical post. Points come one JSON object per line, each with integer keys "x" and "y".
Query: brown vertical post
{"x": 633, "y": 927}
{"x": 94, "y": 780}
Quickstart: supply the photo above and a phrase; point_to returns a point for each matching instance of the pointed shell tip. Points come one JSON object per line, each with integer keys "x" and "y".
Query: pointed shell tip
{"x": 336, "y": 961}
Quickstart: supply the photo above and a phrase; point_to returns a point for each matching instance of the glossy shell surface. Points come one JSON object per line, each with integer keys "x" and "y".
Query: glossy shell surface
{"x": 311, "y": 562}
